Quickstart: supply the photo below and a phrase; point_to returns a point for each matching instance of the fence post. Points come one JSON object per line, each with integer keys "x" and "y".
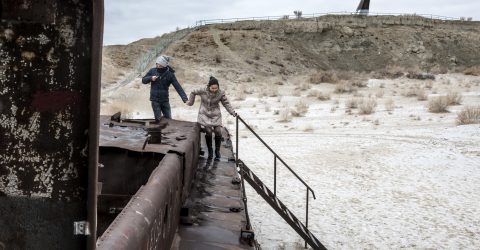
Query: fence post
{"x": 306, "y": 217}
{"x": 275, "y": 174}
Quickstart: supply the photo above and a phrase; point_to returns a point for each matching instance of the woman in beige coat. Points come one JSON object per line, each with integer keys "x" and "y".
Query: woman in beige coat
{"x": 209, "y": 115}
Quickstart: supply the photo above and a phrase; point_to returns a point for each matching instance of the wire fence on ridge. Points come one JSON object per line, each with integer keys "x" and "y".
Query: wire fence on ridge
{"x": 314, "y": 15}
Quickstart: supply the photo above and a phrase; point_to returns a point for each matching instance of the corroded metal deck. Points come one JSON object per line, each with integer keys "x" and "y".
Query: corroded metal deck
{"x": 216, "y": 211}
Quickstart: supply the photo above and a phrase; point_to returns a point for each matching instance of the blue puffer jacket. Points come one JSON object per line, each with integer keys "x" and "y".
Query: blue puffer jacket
{"x": 159, "y": 87}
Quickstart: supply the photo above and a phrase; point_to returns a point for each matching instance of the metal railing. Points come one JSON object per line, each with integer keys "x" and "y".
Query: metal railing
{"x": 147, "y": 58}
{"x": 306, "y": 16}
{"x": 276, "y": 156}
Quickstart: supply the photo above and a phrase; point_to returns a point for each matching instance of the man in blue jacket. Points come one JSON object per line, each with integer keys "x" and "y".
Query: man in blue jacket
{"x": 160, "y": 78}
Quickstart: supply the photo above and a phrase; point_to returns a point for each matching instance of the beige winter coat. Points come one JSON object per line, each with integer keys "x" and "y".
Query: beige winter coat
{"x": 209, "y": 114}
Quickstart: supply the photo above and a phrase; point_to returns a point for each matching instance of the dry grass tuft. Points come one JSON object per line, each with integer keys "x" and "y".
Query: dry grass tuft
{"x": 360, "y": 83}
{"x": 322, "y": 96}
{"x": 391, "y": 72}
{"x": 301, "y": 108}
{"x": 429, "y": 84}
{"x": 469, "y": 115}
{"x": 367, "y": 106}
{"x": 421, "y": 95}
{"x": 308, "y": 128}
{"x": 346, "y": 75}
{"x": 472, "y": 71}
{"x": 303, "y": 86}
{"x": 319, "y": 95}
{"x": 313, "y": 93}
{"x": 270, "y": 91}
{"x": 240, "y": 96}
{"x": 352, "y": 103}
{"x": 438, "y": 104}
{"x": 453, "y": 98}
{"x": 241, "y": 93}
{"x": 284, "y": 115}
{"x": 416, "y": 91}
{"x": 389, "y": 105}
{"x": 323, "y": 77}
{"x": 344, "y": 87}
{"x": 420, "y": 76}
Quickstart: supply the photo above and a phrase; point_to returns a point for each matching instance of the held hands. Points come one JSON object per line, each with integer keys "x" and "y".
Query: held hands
{"x": 154, "y": 78}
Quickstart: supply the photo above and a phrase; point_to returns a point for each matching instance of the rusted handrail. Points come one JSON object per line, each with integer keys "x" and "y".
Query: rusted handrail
{"x": 309, "y": 189}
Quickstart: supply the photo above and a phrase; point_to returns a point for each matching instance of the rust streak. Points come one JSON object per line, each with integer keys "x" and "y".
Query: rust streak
{"x": 54, "y": 101}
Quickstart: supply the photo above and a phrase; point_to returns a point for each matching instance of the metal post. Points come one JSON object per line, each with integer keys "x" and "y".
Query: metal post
{"x": 306, "y": 217}
{"x": 248, "y": 226}
{"x": 236, "y": 142}
{"x": 275, "y": 175}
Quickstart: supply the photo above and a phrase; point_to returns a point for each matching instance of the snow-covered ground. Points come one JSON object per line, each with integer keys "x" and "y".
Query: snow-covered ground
{"x": 403, "y": 178}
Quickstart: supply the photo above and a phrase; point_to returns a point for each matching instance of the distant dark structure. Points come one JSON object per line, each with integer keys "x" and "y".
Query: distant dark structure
{"x": 363, "y": 7}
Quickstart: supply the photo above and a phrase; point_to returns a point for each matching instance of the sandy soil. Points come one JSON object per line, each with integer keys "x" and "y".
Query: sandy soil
{"x": 397, "y": 178}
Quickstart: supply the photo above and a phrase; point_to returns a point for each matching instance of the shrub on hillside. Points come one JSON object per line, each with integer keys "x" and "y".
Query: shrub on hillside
{"x": 303, "y": 86}
{"x": 416, "y": 92}
{"x": 344, "y": 87}
{"x": 453, "y": 98}
{"x": 438, "y": 104}
{"x": 360, "y": 83}
{"x": 323, "y": 77}
{"x": 469, "y": 115}
{"x": 421, "y": 95}
{"x": 301, "y": 108}
{"x": 367, "y": 106}
{"x": 347, "y": 75}
{"x": 391, "y": 72}
{"x": 284, "y": 115}
{"x": 351, "y": 103}
{"x": 472, "y": 71}
{"x": 313, "y": 93}
{"x": 322, "y": 96}
{"x": 420, "y": 76}
{"x": 218, "y": 58}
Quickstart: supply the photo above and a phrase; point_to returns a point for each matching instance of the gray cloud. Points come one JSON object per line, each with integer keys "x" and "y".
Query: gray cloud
{"x": 127, "y": 21}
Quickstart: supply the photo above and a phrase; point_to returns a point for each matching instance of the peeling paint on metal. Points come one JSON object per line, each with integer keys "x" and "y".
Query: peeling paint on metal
{"x": 45, "y": 78}
{"x": 8, "y": 34}
{"x": 28, "y": 55}
{"x": 43, "y": 39}
{"x": 68, "y": 35}
{"x": 52, "y": 58}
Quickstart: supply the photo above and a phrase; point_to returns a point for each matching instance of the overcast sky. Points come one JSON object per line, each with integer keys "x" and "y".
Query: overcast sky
{"x": 130, "y": 20}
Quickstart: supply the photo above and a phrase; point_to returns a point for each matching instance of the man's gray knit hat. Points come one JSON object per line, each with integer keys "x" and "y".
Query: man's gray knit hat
{"x": 163, "y": 60}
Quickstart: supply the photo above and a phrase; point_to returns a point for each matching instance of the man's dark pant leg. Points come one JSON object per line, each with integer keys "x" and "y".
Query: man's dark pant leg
{"x": 166, "y": 110}
{"x": 157, "y": 112}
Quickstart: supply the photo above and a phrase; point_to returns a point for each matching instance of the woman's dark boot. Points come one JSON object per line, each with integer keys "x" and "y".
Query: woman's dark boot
{"x": 218, "y": 141}
{"x": 208, "y": 140}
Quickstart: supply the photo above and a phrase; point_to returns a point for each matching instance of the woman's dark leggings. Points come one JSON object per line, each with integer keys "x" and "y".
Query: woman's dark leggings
{"x": 217, "y": 130}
